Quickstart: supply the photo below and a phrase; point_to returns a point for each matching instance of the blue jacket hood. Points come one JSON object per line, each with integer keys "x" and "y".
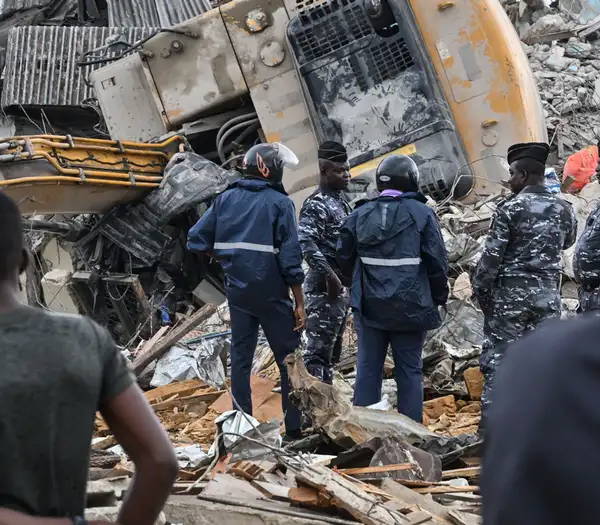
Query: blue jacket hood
{"x": 381, "y": 221}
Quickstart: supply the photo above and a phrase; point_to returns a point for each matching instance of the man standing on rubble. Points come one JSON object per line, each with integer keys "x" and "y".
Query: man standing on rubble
{"x": 327, "y": 300}
{"x": 251, "y": 229}
{"x": 57, "y": 371}
{"x": 393, "y": 247}
{"x": 517, "y": 280}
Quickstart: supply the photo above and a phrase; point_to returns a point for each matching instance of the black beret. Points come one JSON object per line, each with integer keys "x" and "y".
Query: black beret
{"x": 529, "y": 150}
{"x": 333, "y": 151}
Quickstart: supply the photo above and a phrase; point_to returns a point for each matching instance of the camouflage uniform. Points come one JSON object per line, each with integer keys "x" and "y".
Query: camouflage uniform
{"x": 586, "y": 263}
{"x": 321, "y": 218}
{"x": 518, "y": 276}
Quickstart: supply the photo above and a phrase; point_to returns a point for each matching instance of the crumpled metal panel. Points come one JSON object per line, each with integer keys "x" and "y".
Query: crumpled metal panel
{"x": 8, "y": 7}
{"x": 41, "y": 63}
{"x": 154, "y": 13}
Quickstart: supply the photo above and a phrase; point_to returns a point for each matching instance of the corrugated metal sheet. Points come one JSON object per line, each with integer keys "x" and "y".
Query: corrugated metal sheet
{"x": 41, "y": 63}
{"x": 173, "y": 12}
{"x": 133, "y": 13}
{"x": 153, "y": 13}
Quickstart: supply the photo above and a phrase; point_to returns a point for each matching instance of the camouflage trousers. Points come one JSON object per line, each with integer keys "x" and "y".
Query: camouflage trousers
{"x": 325, "y": 325}
{"x": 515, "y": 312}
{"x": 589, "y": 300}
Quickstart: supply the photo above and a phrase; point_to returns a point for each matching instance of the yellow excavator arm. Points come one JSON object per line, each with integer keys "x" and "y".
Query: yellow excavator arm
{"x": 94, "y": 175}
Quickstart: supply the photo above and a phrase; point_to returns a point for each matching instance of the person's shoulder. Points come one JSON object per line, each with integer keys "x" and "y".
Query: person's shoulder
{"x": 64, "y": 328}
{"x": 79, "y": 327}
{"x": 64, "y": 320}
{"x": 519, "y": 203}
{"x": 315, "y": 204}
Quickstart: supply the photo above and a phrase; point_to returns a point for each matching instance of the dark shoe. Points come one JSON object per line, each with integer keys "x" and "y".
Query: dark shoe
{"x": 291, "y": 436}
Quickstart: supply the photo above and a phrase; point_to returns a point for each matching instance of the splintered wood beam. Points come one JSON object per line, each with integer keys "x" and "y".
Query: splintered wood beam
{"x": 163, "y": 345}
{"x": 376, "y": 470}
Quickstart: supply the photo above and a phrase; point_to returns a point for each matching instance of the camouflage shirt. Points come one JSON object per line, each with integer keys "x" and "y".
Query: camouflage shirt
{"x": 321, "y": 218}
{"x": 586, "y": 261}
{"x": 526, "y": 239}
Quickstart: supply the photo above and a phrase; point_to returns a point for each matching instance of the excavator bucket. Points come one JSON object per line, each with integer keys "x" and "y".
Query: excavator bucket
{"x": 48, "y": 174}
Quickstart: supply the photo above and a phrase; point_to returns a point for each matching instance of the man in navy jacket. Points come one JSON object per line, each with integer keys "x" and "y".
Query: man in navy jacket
{"x": 393, "y": 248}
{"x": 251, "y": 229}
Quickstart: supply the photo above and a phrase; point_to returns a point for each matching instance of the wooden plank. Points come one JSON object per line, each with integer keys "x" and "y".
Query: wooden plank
{"x": 181, "y": 388}
{"x": 209, "y": 397}
{"x": 375, "y": 470}
{"x": 467, "y": 498}
{"x": 416, "y": 518}
{"x": 154, "y": 339}
{"x": 456, "y": 518}
{"x": 446, "y": 490}
{"x": 309, "y": 497}
{"x": 410, "y": 497}
{"x": 271, "y": 491}
{"x": 346, "y": 495}
{"x": 144, "y": 359}
{"x": 469, "y": 472}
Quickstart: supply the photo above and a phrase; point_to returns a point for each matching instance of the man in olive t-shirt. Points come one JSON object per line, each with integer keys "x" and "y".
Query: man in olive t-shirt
{"x": 56, "y": 371}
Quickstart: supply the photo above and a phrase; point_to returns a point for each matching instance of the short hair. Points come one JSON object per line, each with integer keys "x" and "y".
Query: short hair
{"x": 531, "y": 166}
{"x": 333, "y": 151}
{"x": 11, "y": 239}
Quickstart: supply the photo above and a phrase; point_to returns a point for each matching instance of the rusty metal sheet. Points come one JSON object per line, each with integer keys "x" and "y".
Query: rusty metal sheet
{"x": 41, "y": 63}
{"x": 154, "y": 13}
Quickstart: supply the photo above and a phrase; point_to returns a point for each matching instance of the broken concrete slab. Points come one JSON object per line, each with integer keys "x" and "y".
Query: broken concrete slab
{"x": 549, "y": 28}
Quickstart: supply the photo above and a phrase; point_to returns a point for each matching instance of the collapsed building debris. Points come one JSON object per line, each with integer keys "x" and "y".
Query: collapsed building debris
{"x": 240, "y": 462}
{"x": 561, "y": 42}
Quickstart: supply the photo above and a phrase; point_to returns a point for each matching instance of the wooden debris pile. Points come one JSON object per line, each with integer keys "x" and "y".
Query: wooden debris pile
{"x": 305, "y": 486}
{"x": 449, "y": 417}
{"x": 187, "y": 411}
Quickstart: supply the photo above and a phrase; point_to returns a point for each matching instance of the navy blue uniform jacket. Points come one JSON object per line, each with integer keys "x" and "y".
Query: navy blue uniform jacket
{"x": 251, "y": 229}
{"x": 393, "y": 248}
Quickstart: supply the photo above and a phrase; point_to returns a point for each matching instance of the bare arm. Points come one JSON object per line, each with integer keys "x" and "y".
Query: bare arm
{"x": 141, "y": 435}
{"x": 299, "y": 312}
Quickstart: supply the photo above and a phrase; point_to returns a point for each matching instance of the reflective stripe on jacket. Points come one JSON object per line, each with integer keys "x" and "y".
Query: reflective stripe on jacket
{"x": 393, "y": 248}
{"x": 251, "y": 229}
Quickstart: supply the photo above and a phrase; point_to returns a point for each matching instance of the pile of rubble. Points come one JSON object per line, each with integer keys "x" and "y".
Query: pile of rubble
{"x": 368, "y": 465}
{"x": 562, "y": 41}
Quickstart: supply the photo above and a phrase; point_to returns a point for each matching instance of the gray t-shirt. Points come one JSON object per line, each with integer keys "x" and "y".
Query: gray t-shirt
{"x": 55, "y": 372}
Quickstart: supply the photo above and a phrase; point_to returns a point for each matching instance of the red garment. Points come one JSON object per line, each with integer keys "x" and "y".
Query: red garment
{"x": 582, "y": 166}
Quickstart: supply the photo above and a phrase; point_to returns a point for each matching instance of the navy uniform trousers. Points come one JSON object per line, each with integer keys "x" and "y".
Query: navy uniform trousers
{"x": 407, "y": 351}
{"x": 277, "y": 322}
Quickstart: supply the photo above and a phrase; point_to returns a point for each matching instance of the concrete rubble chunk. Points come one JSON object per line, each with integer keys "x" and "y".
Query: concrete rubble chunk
{"x": 548, "y": 28}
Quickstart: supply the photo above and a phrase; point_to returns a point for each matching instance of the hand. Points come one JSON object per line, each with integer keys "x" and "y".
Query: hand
{"x": 334, "y": 286}
{"x": 300, "y": 316}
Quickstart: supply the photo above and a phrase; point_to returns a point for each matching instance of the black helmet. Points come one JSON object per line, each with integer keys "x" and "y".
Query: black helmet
{"x": 266, "y": 161}
{"x": 397, "y": 172}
